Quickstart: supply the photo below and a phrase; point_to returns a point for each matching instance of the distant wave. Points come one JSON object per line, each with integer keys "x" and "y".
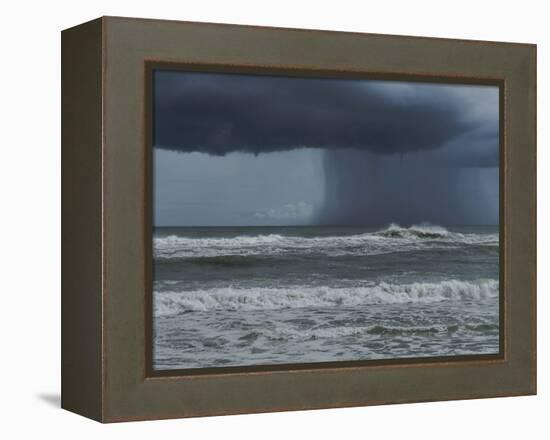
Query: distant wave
{"x": 263, "y": 298}
{"x": 391, "y": 239}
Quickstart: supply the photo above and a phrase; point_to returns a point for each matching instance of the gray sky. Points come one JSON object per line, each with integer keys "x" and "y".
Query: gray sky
{"x": 238, "y": 189}
{"x": 261, "y": 150}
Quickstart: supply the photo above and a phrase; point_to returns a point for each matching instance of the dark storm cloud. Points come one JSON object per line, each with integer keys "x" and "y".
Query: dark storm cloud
{"x": 222, "y": 113}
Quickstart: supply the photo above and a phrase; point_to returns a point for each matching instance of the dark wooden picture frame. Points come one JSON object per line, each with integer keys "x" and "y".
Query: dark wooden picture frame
{"x": 106, "y": 236}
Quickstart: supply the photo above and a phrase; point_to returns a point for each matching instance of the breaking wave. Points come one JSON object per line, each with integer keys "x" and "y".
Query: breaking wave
{"x": 266, "y": 298}
{"x": 394, "y": 238}
{"x": 415, "y": 231}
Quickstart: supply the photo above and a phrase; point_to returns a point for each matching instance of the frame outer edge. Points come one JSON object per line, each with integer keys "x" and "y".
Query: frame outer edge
{"x": 534, "y": 79}
{"x": 81, "y": 185}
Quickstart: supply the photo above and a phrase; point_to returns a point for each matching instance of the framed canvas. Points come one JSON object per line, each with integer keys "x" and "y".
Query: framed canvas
{"x": 263, "y": 219}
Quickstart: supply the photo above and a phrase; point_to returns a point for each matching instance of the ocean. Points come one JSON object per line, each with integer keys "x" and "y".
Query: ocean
{"x": 241, "y": 296}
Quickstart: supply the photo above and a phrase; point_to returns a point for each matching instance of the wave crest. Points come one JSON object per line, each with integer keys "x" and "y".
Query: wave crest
{"x": 392, "y": 239}
{"x": 263, "y": 298}
{"x": 418, "y": 231}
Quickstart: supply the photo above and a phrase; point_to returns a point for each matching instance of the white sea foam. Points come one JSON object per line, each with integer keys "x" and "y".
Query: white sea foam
{"x": 264, "y": 298}
{"x": 392, "y": 239}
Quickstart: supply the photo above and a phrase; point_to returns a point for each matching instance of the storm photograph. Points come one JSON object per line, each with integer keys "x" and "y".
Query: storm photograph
{"x": 303, "y": 219}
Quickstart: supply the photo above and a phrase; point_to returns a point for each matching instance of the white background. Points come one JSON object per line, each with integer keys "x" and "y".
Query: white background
{"x": 30, "y": 219}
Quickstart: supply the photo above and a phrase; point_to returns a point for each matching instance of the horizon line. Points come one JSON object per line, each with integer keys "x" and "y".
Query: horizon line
{"x": 326, "y": 225}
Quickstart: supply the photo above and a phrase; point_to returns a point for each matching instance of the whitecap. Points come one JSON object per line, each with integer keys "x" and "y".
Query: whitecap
{"x": 394, "y": 238}
{"x": 271, "y": 298}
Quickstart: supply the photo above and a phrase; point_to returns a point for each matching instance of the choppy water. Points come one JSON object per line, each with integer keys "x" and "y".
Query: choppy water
{"x": 277, "y": 295}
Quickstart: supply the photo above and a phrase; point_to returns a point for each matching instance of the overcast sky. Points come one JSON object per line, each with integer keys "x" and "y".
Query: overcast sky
{"x": 263, "y": 150}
